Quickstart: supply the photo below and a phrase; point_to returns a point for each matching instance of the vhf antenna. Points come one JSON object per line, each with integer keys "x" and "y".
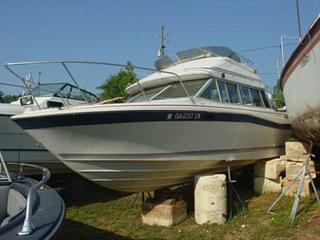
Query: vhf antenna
{"x": 162, "y": 47}
{"x": 298, "y": 19}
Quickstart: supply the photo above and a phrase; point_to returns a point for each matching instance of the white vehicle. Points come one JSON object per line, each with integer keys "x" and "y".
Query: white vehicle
{"x": 206, "y": 110}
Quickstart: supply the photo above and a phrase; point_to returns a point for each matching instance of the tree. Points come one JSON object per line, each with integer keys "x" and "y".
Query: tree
{"x": 115, "y": 85}
{"x": 10, "y": 98}
{"x": 278, "y": 96}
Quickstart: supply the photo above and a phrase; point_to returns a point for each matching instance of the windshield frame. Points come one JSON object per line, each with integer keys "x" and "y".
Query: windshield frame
{"x": 164, "y": 88}
{"x": 56, "y": 92}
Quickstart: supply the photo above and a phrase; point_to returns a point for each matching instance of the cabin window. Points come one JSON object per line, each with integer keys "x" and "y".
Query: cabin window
{"x": 211, "y": 92}
{"x": 245, "y": 95}
{"x": 256, "y": 97}
{"x": 265, "y": 100}
{"x": 233, "y": 93}
{"x": 149, "y": 92}
{"x": 223, "y": 91}
{"x": 176, "y": 90}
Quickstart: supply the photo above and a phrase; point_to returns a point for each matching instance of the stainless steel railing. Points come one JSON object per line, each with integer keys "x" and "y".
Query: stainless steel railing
{"x": 65, "y": 67}
{"x": 28, "y": 227}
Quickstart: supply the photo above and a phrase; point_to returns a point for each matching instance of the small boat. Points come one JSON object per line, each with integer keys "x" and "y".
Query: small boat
{"x": 17, "y": 145}
{"x": 201, "y": 113}
{"x": 28, "y": 209}
{"x": 301, "y": 86}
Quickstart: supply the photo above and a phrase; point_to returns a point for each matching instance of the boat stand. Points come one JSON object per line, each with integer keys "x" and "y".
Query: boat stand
{"x": 231, "y": 192}
{"x": 4, "y": 169}
{"x": 302, "y": 174}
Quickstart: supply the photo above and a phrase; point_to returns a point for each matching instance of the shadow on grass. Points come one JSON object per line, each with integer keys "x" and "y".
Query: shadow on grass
{"x": 77, "y": 230}
{"x": 78, "y": 191}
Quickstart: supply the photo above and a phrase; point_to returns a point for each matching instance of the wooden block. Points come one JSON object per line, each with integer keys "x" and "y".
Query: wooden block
{"x": 296, "y": 149}
{"x": 292, "y": 191}
{"x": 167, "y": 213}
{"x": 265, "y": 185}
{"x": 269, "y": 169}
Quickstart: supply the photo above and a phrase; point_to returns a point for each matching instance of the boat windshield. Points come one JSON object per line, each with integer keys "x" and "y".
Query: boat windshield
{"x": 174, "y": 90}
{"x": 1, "y": 99}
{"x": 47, "y": 90}
{"x": 64, "y": 90}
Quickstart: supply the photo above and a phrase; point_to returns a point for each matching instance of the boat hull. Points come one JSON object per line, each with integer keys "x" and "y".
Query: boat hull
{"x": 300, "y": 81}
{"x": 135, "y": 149}
{"x": 18, "y": 146}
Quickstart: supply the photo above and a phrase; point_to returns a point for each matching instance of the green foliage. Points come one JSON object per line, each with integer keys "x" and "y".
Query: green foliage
{"x": 278, "y": 96}
{"x": 115, "y": 85}
{"x": 10, "y": 98}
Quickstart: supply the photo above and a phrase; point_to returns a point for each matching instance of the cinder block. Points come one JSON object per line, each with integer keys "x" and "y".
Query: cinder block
{"x": 167, "y": 213}
{"x": 265, "y": 185}
{"x": 296, "y": 150}
{"x": 292, "y": 190}
{"x": 210, "y": 199}
{"x": 284, "y": 158}
{"x": 293, "y": 168}
{"x": 269, "y": 169}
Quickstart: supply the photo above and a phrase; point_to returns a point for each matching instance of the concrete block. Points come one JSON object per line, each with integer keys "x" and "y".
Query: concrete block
{"x": 292, "y": 191}
{"x": 296, "y": 149}
{"x": 265, "y": 185}
{"x": 293, "y": 168}
{"x": 210, "y": 199}
{"x": 284, "y": 158}
{"x": 269, "y": 169}
{"x": 167, "y": 213}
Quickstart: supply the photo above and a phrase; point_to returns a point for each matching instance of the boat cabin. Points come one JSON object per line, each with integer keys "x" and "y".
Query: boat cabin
{"x": 216, "y": 74}
{"x": 214, "y": 89}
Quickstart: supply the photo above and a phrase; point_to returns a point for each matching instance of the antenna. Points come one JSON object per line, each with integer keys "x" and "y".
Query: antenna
{"x": 298, "y": 18}
{"x": 162, "y": 47}
{"x": 39, "y": 77}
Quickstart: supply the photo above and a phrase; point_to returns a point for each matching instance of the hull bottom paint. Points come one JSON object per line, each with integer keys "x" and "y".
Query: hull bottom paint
{"x": 307, "y": 126}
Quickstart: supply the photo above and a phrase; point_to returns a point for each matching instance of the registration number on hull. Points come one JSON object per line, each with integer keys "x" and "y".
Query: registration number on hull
{"x": 184, "y": 116}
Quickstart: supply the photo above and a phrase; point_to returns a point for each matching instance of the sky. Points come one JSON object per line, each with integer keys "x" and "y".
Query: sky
{"x": 128, "y": 30}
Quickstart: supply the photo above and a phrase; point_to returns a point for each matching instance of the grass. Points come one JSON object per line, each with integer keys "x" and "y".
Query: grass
{"x": 96, "y": 213}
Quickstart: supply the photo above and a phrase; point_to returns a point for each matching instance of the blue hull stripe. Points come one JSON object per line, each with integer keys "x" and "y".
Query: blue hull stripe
{"x": 140, "y": 116}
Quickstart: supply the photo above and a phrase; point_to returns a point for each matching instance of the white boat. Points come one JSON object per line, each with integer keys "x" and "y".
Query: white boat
{"x": 301, "y": 86}
{"x": 199, "y": 114}
{"x": 17, "y": 145}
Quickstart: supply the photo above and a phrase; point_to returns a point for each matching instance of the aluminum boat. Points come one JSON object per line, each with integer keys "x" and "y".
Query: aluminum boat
{"x": 301, "y": 86}
{"x": 200, "y": 113}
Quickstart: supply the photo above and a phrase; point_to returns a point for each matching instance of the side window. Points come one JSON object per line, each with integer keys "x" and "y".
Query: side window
{"x": 233, "y": 93}
{"x": 265, "y": 100}
{"x": 211, "y": 92}
{"x": 245, "y": 95}
{"x": 256, "y": 97}
{"x": 223, "y": 91}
